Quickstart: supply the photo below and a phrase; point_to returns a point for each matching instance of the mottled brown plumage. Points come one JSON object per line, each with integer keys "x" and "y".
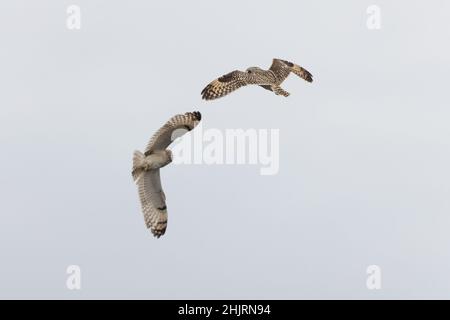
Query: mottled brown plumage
{"x": 268, "y": 79}
{"x": 146, "y": 167}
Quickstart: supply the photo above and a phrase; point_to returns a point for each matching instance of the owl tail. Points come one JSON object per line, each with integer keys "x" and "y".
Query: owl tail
{"x": 138, "y": 159}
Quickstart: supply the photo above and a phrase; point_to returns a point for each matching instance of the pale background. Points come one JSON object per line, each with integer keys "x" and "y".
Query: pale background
{"x": 364, "y": 151}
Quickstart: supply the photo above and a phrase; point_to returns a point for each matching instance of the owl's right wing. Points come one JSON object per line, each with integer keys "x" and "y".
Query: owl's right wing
{"x": 163, "y": 137}
{"x": 226, "y": 84}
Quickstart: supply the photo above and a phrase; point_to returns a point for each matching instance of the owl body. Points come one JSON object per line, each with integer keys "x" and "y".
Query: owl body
{"x": 146, "y": 170}
{"x": 158, "y": 159}
{"x": 268, "y": 79}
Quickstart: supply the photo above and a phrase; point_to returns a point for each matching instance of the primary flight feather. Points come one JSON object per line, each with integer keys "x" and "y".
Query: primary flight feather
{"x": 146, "y": 167}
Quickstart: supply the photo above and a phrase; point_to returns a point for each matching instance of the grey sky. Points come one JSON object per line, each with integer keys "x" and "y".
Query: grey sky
{"x": 364, "y": 150}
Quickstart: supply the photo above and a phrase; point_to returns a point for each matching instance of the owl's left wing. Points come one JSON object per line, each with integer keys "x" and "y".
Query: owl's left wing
{"x": 282, "y": 68}
{"x": 153, "y": 201}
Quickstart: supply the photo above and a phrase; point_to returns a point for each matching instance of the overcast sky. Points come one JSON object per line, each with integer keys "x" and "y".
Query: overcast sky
{"x": 364, "y": 150}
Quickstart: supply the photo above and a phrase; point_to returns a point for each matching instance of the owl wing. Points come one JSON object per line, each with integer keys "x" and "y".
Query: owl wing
{"x": 164, "y": 136}
{"x": 153, "y": 201}
{"x": 227, "y": 83}
{"x": 282, "y": 68}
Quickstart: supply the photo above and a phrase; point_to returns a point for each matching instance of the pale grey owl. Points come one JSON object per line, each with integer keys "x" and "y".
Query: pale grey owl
{"x": 146, "y": 170}
{"x": 268, "y": 79}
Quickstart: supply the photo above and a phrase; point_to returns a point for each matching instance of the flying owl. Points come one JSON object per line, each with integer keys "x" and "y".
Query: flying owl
{"x": 268, "y": 79}
{"x": 146, "y": 170}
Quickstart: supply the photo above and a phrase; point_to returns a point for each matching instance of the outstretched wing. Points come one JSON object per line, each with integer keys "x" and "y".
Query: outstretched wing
{"x": 226, "y": 84}
{"x": 282, "y": 68}
{"x": 153, "y": 201}
{"x": 163, "y": 137}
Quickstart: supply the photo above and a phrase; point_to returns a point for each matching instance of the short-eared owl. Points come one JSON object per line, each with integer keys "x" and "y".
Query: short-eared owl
{"x": 268, "y": 79}
{"x": 146, "y": 170}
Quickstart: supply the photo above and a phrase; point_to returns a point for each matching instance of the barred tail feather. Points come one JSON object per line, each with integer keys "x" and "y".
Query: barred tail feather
{"x": 138, "y": 158}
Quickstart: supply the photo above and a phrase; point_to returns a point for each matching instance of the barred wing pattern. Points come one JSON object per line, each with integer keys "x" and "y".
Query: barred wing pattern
{"x": 153, "y": 202}
{"x": 163, "y": 137}
{"x": 268, "y": 79}
{"x": 151, "y": 194}
{"x": 282, "y": 68}
{"x": 229, "y": 83}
